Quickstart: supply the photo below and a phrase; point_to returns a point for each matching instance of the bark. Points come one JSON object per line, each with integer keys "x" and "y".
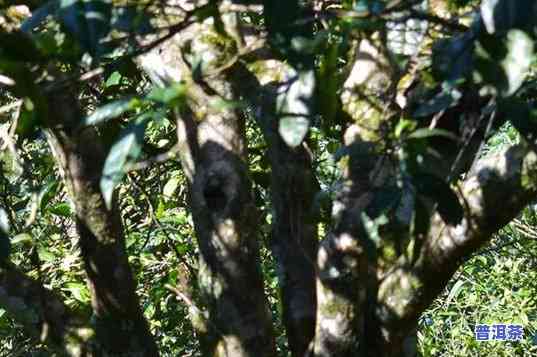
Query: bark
{"x": 43, "y": 314}
{"x": 225, "y": 220}
{"x": 503, "y": 180}
{"x": 120, "y": 326}
{"x": 347, "y": 258}
{"x": 294, "y": 241}
{"x": 343, "y": 265}
{"x": 293, "y": 188}
{"x": 237, "y": 320}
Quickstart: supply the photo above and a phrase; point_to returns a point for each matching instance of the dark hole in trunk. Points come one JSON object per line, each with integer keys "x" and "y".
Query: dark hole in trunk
{"x": 215, "y": 196}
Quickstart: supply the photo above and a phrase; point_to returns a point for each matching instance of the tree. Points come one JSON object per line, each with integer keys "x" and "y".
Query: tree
{"x": 403, "y": 94}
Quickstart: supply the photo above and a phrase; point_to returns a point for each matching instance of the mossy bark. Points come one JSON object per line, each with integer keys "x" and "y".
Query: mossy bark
{"x": 120, "y": 326}
{"x": 234, "y": 318}
{"x": 238, "y": 321}
{"x": 497, "y": 181}
{"x": 293, "y": 188}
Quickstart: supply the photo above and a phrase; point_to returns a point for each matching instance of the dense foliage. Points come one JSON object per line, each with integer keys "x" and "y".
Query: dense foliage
{"x": 339, "y": 163}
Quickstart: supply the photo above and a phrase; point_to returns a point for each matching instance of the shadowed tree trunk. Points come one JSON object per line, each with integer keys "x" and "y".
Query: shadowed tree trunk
{"x": 293, "y": 189}
{"x": 294, "y": 239}
{"x": 119, "y": 322}
{"x": 213, "y": 153}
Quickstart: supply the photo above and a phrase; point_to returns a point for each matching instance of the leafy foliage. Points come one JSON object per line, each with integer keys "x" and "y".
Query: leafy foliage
{"x": 461, "y": 70}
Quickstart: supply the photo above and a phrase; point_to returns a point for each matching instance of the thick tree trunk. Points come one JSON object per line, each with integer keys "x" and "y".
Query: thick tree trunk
{"x": 236, "y": 320}
{"x": 293, "y": 188}
{"x": 119, "y": 322}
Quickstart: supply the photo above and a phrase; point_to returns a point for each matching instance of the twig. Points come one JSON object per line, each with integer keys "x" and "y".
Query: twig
{"x": 524, "y": 229}
{"x": 8, "y": 107}
{"x": 184, "y": 297}
{"x": 160, "y": 158}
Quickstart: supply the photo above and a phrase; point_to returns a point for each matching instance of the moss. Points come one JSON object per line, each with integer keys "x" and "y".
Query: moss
{"x": 528, "y": 178}
{"x": 268, "y": 71}
{"x": 334, "y": 308}
{"x": 224, "y": 47}
{"x": 333, "y": 304}
{"x": 388, "y": 252}
{"x": 369, "y": 117}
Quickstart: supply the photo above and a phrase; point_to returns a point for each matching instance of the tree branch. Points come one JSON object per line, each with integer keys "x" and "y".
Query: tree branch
{"x": 43, "y": 314}
{"x": 499, "y": 188}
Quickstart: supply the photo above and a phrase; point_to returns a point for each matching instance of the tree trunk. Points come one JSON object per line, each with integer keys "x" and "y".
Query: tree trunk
{"x": 119, "y": 322}
{"x": 293, "y": 188}
{"x": 236, "y": 320}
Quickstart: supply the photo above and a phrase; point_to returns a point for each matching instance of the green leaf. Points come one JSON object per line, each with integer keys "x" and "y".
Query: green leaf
{"x": 170, "y": 187}
{"x": 113, "y": 80}
{"x": 125, "y": 151}
{"x": 439, "y": 191}
{"x": 89, "y": 22}
{"x": 161, "y": 209}
{"x": 45, "y": 254}
{"x": 110, "y": 111}
{"x": 503, "y": 62}
{"x": 500, "y": 16}
{"x": 29, "y": 120}
{"x": 455, "y": 290}
{"x": 293, "y": 108}
{"x": 79, "y": 291}
{"x": 403, "y": 126}
{"x": 453, "y": 58}
{"x": 21, "y": 238}
{"x": 518, "y": 60}
{"x": 427, "y": 133}
{"x": 47, "y": 193}
{"x": 444, "y": 100}
{"x": 61, "y": 209}
{"x": 171, "y": 95}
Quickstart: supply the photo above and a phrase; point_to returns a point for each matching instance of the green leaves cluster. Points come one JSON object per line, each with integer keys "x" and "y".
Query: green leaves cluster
{"x": 128, "y": 146}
